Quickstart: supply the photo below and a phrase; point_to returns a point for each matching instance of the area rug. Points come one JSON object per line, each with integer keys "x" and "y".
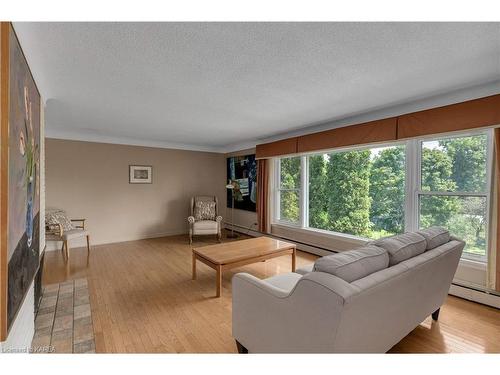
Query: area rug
{"x": 64, "y": 320}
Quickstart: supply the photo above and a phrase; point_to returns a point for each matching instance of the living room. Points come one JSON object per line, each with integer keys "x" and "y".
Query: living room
{"x": 249, "y": 187}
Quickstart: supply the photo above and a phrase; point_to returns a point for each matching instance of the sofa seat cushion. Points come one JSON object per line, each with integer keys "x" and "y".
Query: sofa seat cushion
{"x": 403, "y": 246}
{"x": 285, "y": 281}
{"x": 305, "y": 270}
{"x": 435, "y": 236}
{"x": 354, "y": 264}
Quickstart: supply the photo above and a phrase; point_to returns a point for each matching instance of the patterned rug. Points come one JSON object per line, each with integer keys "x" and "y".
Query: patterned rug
{"x": 64, "y": 320}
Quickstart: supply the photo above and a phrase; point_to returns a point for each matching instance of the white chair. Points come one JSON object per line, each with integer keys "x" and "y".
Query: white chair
{"x": 201, "y": 223}
{"x": 60, "y": 228}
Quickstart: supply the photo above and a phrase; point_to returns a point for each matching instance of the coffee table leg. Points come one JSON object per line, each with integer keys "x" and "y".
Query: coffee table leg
{"x": 194, "y": 266}
{"x": 218, "y": 280}
{"x": 293, "y": 260}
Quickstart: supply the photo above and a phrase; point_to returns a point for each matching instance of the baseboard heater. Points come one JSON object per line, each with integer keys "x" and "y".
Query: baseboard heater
{"x": 476, "y": 294}
{"x": 468, "y": 292}
{"x": 302, "y": 246}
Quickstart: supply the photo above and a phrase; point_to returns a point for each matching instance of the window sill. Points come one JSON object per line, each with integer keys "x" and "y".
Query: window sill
{"x": 323, "y": 233}
{"x": 475, "y": 264}
{"x": 358, "y": 241}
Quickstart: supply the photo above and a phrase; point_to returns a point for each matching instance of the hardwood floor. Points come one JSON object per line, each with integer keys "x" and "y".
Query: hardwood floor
{"x": 143, "y": 300}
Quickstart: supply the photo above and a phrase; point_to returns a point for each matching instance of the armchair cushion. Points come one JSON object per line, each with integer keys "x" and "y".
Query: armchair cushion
{"x": 56, "y": 217}
{"x": 208, "y": 226}
{"x": 204, "y": 210}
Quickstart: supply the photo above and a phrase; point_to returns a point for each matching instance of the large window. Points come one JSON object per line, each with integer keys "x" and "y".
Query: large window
{"x": 454, "y": 188}
{"x": 388, "y": 189}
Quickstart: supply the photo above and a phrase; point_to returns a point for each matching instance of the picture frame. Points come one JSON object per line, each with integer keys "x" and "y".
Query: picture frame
{"x": 242, "y": 172}
{"x": 20, "y": 127}
{"x": 140, "y": 174}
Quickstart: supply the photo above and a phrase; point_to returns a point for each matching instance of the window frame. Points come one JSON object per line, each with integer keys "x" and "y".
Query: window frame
{"x": 418, "y": 192}
{"x": 413, "y": 188}
{"x": 277, "y": 196}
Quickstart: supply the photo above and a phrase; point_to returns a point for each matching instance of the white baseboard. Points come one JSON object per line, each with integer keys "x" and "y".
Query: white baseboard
{"x": 23, "y": 328}
{"x": 56, "y": 245}
{"x": 474, "y": 295}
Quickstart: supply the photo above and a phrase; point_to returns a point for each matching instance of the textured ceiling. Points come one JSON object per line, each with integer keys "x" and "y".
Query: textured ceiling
{"x": 209, "y": 85}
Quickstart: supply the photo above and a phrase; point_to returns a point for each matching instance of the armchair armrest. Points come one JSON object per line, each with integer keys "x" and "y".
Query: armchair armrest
{"x": 82, "y": 221}
{"x": 54, "y": 229}
{"x": 190, "y": 219}
{"x": 218, "y": 219}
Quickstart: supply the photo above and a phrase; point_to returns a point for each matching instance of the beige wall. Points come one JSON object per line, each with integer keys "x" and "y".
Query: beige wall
{"x": 90, "y": 180}
{"x": 242, "y": 218}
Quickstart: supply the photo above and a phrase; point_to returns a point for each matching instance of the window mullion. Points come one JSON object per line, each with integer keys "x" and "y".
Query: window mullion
{"x": 277, "y": 180}
{"x": 304, "y": 192}
{"x": 411, "y": 185}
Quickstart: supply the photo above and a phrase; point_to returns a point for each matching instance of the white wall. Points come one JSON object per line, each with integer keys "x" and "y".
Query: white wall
{"x": 22, "y": 330}
{"x": 91, "y": 180}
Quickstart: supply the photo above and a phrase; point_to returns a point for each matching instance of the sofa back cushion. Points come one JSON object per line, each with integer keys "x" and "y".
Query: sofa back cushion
{"x": 354, "y": 264}
{"x": 435, "y": 236}
{"x": 403, "y": 246}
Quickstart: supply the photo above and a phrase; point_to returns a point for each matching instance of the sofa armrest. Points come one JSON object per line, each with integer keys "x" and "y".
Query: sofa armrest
{"x": 190, "y": 220}
{"x": 242, "y": 281}
{"x": 267, "y": 319}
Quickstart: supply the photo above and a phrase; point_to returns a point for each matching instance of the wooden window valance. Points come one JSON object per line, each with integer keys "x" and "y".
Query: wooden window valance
{"x": 472, "y": 114}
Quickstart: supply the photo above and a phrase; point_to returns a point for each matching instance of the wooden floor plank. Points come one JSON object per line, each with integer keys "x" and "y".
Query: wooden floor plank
{"x": 143, "y": 300}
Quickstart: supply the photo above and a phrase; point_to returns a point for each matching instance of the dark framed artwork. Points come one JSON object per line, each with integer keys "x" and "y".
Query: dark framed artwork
{"x": 242, "y": 174}
{"x": 140, "y": 174}
{"x": 20, "y": 183}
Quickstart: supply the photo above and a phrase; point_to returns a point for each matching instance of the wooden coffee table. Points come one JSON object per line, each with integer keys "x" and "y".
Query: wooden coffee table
{"x": 222, "y": 257}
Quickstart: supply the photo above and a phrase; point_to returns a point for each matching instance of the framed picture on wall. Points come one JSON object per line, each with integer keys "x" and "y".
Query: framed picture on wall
{"x": 140, "y": 174}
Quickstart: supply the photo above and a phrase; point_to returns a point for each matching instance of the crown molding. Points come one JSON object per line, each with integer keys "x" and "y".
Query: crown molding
{"x": 100, "y": 138}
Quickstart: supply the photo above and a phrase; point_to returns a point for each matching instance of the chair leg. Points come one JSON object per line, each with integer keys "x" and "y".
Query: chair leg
{"x": 190, "y": 239}
{"x": 241, "y": 348}
{"x": 67, "y": 250}
{"x": 435, "y": 315}
{"x": 88, "y": 244}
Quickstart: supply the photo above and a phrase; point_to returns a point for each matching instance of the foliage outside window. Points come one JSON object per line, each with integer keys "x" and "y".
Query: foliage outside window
{"x": 289, "y": 190}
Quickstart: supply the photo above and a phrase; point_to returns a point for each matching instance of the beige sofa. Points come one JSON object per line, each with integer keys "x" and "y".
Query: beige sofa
{"x": 393, "y": 285}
